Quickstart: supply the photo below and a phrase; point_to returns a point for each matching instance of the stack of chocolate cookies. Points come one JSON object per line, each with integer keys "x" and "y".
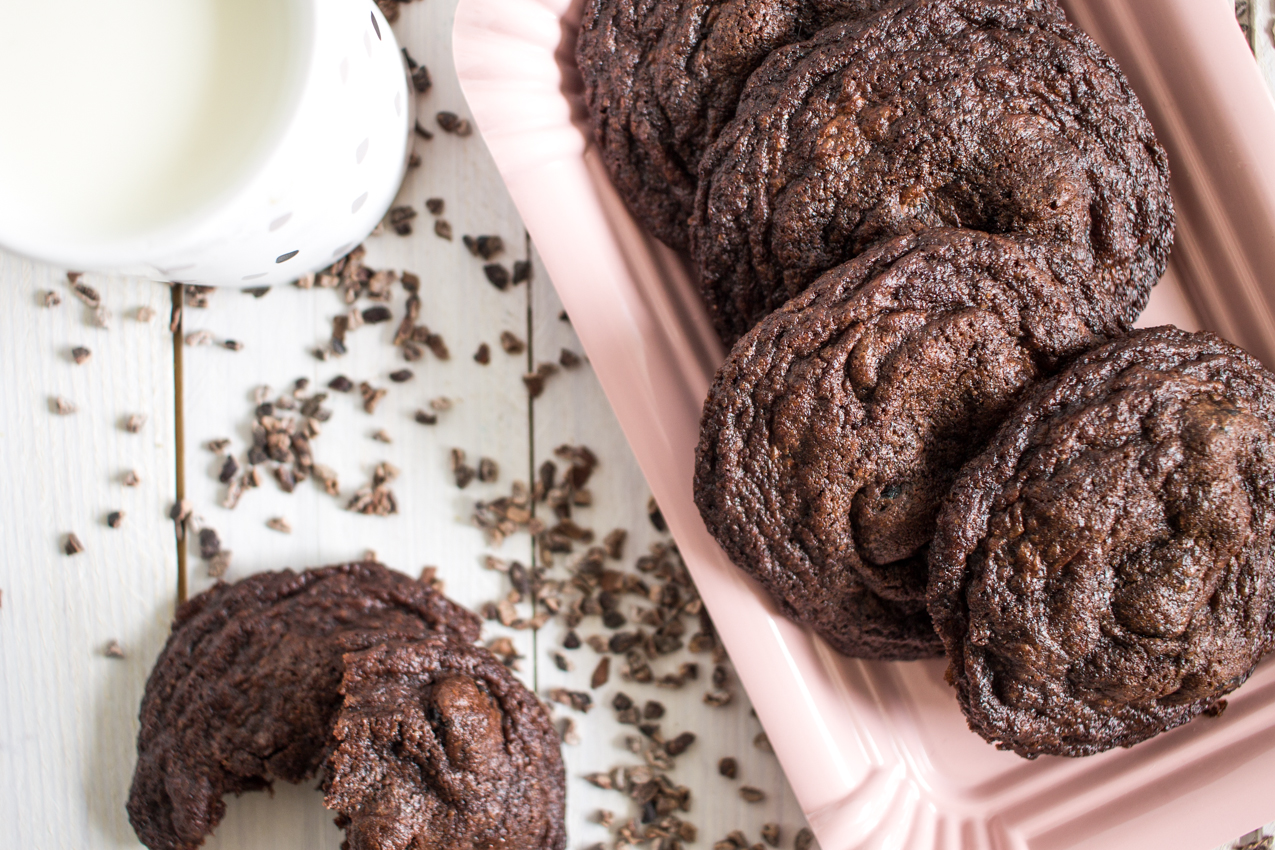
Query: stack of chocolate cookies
{"x": 362, "y": 676}
{"x": 926, "y": 229}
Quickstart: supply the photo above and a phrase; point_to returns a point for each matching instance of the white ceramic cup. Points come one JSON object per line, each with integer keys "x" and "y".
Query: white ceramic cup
{"x": 323, "y": 170}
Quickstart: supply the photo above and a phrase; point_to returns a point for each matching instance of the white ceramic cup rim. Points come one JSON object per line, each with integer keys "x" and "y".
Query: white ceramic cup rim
{"x": 127, "y": 251}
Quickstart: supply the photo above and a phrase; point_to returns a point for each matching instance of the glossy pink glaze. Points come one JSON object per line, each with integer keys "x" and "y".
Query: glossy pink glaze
{"x": 878, "y": 753}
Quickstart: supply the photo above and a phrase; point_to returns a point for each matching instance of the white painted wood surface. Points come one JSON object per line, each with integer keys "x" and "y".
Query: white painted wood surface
{"x": 68, "y": 713}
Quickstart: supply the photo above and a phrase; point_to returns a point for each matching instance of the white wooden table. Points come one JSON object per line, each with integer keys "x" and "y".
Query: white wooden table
{"x": 68, "y": 710}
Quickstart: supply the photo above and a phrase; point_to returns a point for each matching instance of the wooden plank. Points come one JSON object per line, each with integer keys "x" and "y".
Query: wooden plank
{"x": 574, "y": 411}
{"x": 68, "y": 713}
{"x": 489, "y": 416}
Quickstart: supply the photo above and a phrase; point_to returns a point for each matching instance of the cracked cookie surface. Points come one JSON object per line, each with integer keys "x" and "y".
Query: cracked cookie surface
{"x": 999, "y": 117}
{"x": 662, "y": 77}
{"x": 439, "y": 746}
{"x": 834, "y": 428}
{"x": 1103, "y": 571}
{"x": 245, "y": 690}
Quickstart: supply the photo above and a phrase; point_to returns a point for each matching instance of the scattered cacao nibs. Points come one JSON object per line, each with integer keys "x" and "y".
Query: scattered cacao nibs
{"x": 562, "y": 662}
{"x": 218, "y": 445}
{"x": 621, "y": 701}
{"x": 371, "y": 396}
{"x": 412, "y": 64}
{"x": 286, "y": 477}
{"x": 279, "y": 524}
{"x": 115, "y": 519}
{"x": 197, "y": 338}
{"x": 421, "y": 80}
{"x": 434, "y": 205}
{"x": 381, "y": 436}
{"x": 426, "y": 418}
{"x": 614, "y": 543}
{"x": 679, "y": 745}
{"x": 232, "y": 345}
{"x": 571, "y": 640}
{"x": 219, "y": 564}
{"x": 262, "y": 291}
{"x": 400, "y": 219}
{"x": 175, "y": 317}
{"x": 805, "y": 838}
{"x": 443, "y": 229}
{"x": 657, "y": 516}
{"x": 488, "y": 470}
{"x": 717, "y": 699}
{"x": 327, "y": 477}
{"x": 535, "y": 384}
{"x": 196, "y": 296}
{"x": 102, "y": 317}
{"x": 113, "y": 650}
{"x": 568, "y": 359}
{"x": 652, "y": 710}
{"x": 411, "y": 283}
{"x": 401, "y": 376}
{"x": 145, "y": 314}
{"x": 483, "y": 354}
{"x": 770, "y": 834}
{"x": 728, "y": 767}
{"x": 720, "y": 678}
{"x": 600, "y": 780}
{"x": 436, "y": 345}
{"x": 72, "y": 546}
{"x": 598, "y": 643}
{"x": 441, "y": 403}
{"x": 376, "y": 315}
{"x": 522, "y": 271}
{"x": 62, "y": 406}
{"x": 461, "y": 471}
{"x": 450, "y": 122}
{"x": 341, "y": 384}
{"x": 486, "y": 246}
{"x": 420, "y": 130}
{"x": 601, "y": 673}
{"x": 86, "y": 293}
{"x": 578, "y": 700}
{"x": 229, "y": 470}
{"x": 134, "y": 423}
{"x": 497, "y": 275}
{"x": 1216, "y": 709}
{"x": 80, "y": 354}
{"x": 762, "y": 742}
{"x": 131, "y": 479}
{"x": 209, "y": 543}
{"x": 751, "y": 794}
{"x": 52, "y": 299}
{"x": 376, "y": 499}
{"x": 511, "y": 344}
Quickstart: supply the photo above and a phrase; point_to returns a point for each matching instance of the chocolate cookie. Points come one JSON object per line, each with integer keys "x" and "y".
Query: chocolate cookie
{"x": 832, "y": 431}
{"x": 994, "y": 116}
{"x": 245, "y": 690}
{"x": 662, "y": 77}
{"x": 1103, "y": 570}
{"x": 440, "y": 747}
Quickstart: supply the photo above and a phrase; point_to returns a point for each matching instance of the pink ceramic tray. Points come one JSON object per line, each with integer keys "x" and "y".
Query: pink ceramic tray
{"x": 878, "y": 753}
